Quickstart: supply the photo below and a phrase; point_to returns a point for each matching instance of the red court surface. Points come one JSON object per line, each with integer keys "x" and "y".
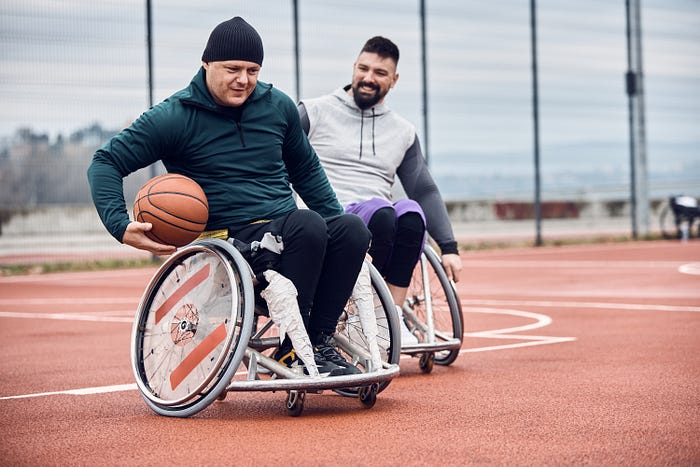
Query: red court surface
{"x": 572, "y": 355}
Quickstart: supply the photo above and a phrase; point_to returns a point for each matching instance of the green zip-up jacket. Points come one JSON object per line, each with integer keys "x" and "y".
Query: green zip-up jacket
{"x": 244, "y": 158}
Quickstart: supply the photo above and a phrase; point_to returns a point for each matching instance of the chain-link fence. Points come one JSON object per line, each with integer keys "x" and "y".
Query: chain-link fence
{"x": 74, "y": 72}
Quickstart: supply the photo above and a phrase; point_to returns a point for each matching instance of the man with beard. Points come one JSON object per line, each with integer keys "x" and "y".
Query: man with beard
{"x": 363, "y": 146}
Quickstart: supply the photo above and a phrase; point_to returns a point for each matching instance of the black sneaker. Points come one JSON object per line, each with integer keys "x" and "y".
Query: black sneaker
{"x": 288, "y": 357}
{"x": 328, "y": 351}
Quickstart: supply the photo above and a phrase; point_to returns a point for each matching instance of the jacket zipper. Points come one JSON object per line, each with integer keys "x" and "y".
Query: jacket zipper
{"x": 240, "y": 132}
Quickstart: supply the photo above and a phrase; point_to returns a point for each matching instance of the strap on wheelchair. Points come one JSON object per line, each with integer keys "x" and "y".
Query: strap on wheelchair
{"x": 261, "y": 255}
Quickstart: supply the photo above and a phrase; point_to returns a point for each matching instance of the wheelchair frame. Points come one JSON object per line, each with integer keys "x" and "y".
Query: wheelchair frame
{"x": 433, "y": 312}
{"x": 197, "y": 336}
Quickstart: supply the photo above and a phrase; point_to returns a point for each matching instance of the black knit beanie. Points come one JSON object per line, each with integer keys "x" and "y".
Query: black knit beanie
{"x": 234, "y": 40}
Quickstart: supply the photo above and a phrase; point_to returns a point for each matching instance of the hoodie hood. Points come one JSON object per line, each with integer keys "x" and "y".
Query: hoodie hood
{"x": 372, "y": 113}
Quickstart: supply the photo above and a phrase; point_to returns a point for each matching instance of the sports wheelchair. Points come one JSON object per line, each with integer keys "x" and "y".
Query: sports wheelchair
{"x": 199, "y": 333}
{"x": 433, "y": 313}
{"x": 677, "y": 217}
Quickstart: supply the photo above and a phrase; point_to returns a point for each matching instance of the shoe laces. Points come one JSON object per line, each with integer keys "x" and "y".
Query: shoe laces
{"x": 327, "y": 349}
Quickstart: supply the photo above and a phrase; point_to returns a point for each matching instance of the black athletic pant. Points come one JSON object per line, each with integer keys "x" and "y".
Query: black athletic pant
{"x": 322, "y": 258}
{"x": 396, "y": 244}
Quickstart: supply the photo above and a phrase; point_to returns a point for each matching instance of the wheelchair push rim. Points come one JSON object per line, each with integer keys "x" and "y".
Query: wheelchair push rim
{"x": 349, "y": 335}
{"x": 191, "y": 328}
{"x": 441, "y": 333}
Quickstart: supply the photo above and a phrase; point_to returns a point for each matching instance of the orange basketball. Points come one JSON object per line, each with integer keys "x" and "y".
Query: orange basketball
{"x": 176, "y": 206}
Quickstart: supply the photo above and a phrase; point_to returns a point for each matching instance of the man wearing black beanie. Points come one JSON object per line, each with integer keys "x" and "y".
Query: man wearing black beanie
{"x": 242, "y": 141}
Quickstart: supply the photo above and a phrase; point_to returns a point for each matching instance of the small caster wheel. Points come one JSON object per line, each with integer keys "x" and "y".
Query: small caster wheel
{"x": 426, "y": 362}
{"x": 295, "y": 402}
{"x": 368, "y": 395}
{"x": 222, "y": 396}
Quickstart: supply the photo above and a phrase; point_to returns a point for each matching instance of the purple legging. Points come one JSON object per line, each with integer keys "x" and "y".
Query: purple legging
{"x": 398, "y": 236}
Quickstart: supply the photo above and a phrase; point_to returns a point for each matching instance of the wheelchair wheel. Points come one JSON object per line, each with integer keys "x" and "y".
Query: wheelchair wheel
{"x": 445, "y": 304}
{"x": 669, "y": 226}
{"x": 388, "y": 336}
{"x": 192, "y": 327}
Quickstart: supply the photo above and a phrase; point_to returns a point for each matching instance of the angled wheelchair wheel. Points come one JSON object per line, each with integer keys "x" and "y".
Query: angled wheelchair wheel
{"x": 438, "y": 293}
{"x": 388, "y": 336}
{"x": 668, "y": 224}
{"x": 192, "y": 327}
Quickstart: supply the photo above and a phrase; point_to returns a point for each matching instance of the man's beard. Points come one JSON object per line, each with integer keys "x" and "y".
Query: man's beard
{"x": 366, "y": 102}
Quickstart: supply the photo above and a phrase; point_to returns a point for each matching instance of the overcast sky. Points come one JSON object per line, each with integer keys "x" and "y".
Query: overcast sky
{"x": 69, "y": 63}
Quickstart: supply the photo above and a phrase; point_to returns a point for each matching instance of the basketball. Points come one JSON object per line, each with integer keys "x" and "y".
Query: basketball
{"x": 175, "y": 205}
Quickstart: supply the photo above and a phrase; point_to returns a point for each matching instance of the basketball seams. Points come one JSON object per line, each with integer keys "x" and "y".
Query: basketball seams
{"x": 184, "y": 195}
{"x": 175, "y": 217}
{"x": 175, "y": 205}
{"x": 165, "y": 221}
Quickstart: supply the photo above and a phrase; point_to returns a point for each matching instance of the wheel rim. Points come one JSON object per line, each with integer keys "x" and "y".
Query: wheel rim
{"x": 186, "y": 325}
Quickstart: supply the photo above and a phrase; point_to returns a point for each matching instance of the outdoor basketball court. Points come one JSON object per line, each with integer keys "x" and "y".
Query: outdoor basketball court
{"x": 572, "y": 355}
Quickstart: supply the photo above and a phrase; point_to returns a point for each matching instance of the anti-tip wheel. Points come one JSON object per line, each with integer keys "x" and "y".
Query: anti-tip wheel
{"x": 295, "y": 402}
{"x": 426, "y": 362}
{"x": 368, "y": 395}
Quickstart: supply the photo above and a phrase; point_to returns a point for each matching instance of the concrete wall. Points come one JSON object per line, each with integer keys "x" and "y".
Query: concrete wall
{"x": 475, "y": 211}
{"x": 75, "y": 233}
{"x": 84, "y": 219}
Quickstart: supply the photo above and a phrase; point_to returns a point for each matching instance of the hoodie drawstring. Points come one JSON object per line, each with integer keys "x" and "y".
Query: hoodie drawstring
{"x": 374, "y": 153}
{"x": 362, "y": 126}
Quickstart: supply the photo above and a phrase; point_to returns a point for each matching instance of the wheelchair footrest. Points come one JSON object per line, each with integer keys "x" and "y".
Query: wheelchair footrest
{"x": 422, "y": 347}
{"x": 307, "y": 383}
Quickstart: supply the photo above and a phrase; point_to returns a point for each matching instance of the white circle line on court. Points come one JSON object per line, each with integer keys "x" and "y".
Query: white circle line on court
{"x": 690, "y": 268}
{"x": 507, "y": 333}
{"x": 540, "y": 320}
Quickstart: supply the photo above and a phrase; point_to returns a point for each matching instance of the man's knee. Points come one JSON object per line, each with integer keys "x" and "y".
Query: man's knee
{"x": 350, "y": 230}
{"x": 307, "y": 226}
{"x": 383, "y": 222}
{"x": 411, "y": 225}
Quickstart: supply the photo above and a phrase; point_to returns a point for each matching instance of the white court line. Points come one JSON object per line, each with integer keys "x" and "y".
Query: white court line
{"x": 544, "y": 341}
{"x": 66, "y": 317}
{"x": 66, "y": 301}
{"x": 89, "y": 276}
{"x": 77, "y": 392}
{"x": 619, "y": 306}
{"x": 507, "y": 333}
{"x": 690, "y": 268}
{"x": 577, "y": 264}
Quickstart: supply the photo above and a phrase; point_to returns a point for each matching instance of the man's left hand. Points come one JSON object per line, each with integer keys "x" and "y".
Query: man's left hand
{"x": 452, "y": 264}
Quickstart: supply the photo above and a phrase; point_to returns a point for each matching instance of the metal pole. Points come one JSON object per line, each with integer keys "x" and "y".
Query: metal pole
{"x": 297, "y": 67}
{"x": 536, "y": 124}
{"x": 642, "y": 185}
{"x": 424, "y": 69}
{"x": 149, "y": 55}
{"x": 631, "y": 91}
